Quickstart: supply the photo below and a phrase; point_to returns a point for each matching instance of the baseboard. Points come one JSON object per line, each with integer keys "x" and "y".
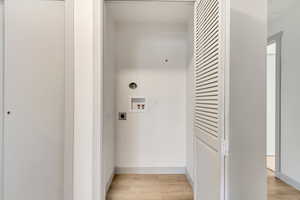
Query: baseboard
{"x": 288, "y": 180}
{"x": 189, "y": 178}
{"x": 150, "y": 170}
{"x": 108, "y": 184}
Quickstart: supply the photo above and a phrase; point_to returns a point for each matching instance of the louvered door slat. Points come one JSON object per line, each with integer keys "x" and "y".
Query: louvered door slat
{"x": 209, "y": 48}
{"x": 212, "y": 24}
{"x": 207, "y": 114}
{"x": 211, "y": 64}
{"x": 207, "y": 73}
{"x": 205, "y": 79}
{"x": 203, "y": 10}
{"x": 207, "y": 65}
{"x": 203, "y": 61}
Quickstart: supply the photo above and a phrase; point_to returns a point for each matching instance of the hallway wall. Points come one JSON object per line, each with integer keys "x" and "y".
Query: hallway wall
{"x": 109, "y": 100}
{"x": 155, "y": 138}
{"x": 290, "y": 25}
{"x": 247, "y": 100}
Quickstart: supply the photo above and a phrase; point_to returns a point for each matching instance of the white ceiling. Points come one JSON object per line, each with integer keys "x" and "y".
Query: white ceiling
{"x": 179, "y": 12}
{"x": 168, "y": 12}
{"x": 278, "y": 8}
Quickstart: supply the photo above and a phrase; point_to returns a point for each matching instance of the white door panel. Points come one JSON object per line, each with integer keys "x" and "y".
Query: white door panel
{"x": 208, "y": 171}
{"x": 209, "y": 30}
{"x": 34, "y": 100}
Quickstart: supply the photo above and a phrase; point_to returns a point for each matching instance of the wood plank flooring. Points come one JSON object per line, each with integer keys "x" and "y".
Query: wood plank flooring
{"x": 278, "y": 190}
{"x": 176, "y": 187}
{"x": 150, "y": 187}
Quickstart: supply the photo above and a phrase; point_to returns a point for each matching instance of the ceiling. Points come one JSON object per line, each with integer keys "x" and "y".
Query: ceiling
{"x": 278, "y": 8}
{"x": 164, "y": 12}
{"x": 170, "y": 12}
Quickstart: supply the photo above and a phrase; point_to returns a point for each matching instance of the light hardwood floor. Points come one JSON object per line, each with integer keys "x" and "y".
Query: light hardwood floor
{"x": 150, "y": 187}
{"x": 176, "y": 187}
{"x": 278, "y": 190}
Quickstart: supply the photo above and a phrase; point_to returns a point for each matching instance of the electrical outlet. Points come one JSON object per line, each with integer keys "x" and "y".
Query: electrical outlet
{"x": 122, "y": 116}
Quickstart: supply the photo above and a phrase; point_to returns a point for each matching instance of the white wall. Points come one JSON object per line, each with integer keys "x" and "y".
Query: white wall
{"x": 190, "y": 102}
{"x": 155, "y": 138}
{"x": 271, "y": 99}
{"x": 109, "y": 110}
{"x": 247, "y": 104}
{"x": 1, "y": 89}
{"x": 290, "y": 145}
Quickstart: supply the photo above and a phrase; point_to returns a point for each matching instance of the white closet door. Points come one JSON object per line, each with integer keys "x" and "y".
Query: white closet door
{"x": 34, "y": 100}
{"x": 209, "y": 99}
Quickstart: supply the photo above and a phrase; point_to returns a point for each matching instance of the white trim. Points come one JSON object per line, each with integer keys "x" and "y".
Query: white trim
{"x": 224, "y": 87}
{"x": 108, "y": 184}
{"x": 69, "y": 100}
{"x": 189, "y": 178}
{"x": 288, "y": 180}
{"x": 227, "y": 98}
{"x": 277, "y": 39}
{"x": 150, "y": 170}
{"x": 98, "y": 32}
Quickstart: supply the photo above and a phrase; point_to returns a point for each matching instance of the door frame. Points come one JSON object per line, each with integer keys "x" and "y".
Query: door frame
{"x": 86, "y": 37}
{"x": 277, "y": 39}
{"x": 98, "y": 54}
{"x": 69, "y": 101}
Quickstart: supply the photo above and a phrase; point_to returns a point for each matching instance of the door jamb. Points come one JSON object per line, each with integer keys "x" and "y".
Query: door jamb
{"x": 277, "y": 39}
{"x": 69, "y": 101}
{"x": 96, "y": 149}
{"x": 98, "y": 49}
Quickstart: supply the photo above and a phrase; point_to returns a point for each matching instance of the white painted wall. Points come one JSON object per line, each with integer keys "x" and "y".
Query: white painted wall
{"x": 1, "y": 91}
{"x": 157, "y": 137}
{"x": 290, "y": 145}
{"x": 271, "y": 99}
{"x": 190, "y": 102}
{"x": 109, "y": 116}
{"x": 247, "y": 104}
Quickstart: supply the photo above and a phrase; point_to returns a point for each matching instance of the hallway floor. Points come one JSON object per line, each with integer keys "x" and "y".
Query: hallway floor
{"x": 150, "y": 187}
{"x": 176, "y": 187}
{"x": 278, "y": 190}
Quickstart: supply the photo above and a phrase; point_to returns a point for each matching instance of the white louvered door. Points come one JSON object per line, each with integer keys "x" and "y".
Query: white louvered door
{"x": 209, "y": 109}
